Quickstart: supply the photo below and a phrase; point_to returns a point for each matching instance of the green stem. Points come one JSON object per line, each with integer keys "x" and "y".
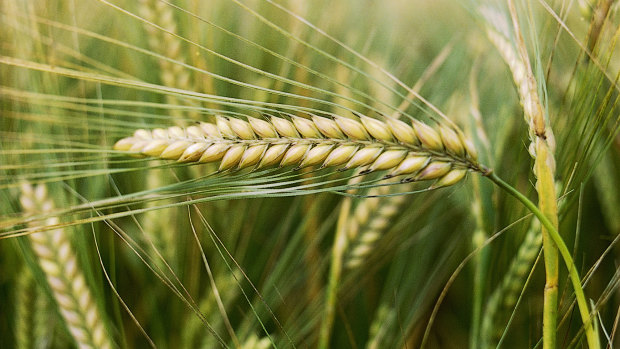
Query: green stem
{"x": 478, "y": 290}
{"x": 591, "y": 335}
{"x": 340, "y": 244}
{"x": 483, "y": 210}
{"x": 550, "y": 305}
{"x": 547, "y": 204}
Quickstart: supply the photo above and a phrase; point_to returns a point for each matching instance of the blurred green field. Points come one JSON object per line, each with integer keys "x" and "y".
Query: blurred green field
{"x": 179, "y": 255}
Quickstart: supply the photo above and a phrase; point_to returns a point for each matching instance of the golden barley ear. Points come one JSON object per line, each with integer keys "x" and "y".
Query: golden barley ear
{"x": 61, "y": 268}
{"x": 417, "y": 152}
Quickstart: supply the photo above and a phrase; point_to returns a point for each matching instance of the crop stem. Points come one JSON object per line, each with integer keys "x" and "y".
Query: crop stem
{"x": 331, "y": 295}
{"x": 547, "y": 203}
{"x": 591, "y": 335}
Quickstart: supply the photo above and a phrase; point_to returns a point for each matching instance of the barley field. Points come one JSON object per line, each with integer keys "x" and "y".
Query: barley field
{"x": 309, "y": 174}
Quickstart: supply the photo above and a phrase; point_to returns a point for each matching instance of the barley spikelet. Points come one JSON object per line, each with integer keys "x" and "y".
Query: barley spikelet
{"x": 416, "y": 152}
{"x": 505, "y": 296}
{"x": 65, "y": 279}
{"x": 369, "y": 220}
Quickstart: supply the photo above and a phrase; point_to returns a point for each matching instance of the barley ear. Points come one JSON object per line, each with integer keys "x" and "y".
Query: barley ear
{"x": 61, "y": 268}
{"x": 417, "y": 151}
{"x": 369, "y": 221}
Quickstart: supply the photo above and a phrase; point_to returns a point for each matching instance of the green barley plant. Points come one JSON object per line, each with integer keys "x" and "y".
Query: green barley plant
{"x": 330, "y": 174}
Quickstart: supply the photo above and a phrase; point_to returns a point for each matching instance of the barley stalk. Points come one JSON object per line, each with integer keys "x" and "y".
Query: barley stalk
{"x": 505, "y": 296}
{"x": 61, "y": 267}
{"x": 416, "y": 152}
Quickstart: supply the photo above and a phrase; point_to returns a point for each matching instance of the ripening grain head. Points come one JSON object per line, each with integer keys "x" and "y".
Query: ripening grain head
{"x": 417, "y": 151}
